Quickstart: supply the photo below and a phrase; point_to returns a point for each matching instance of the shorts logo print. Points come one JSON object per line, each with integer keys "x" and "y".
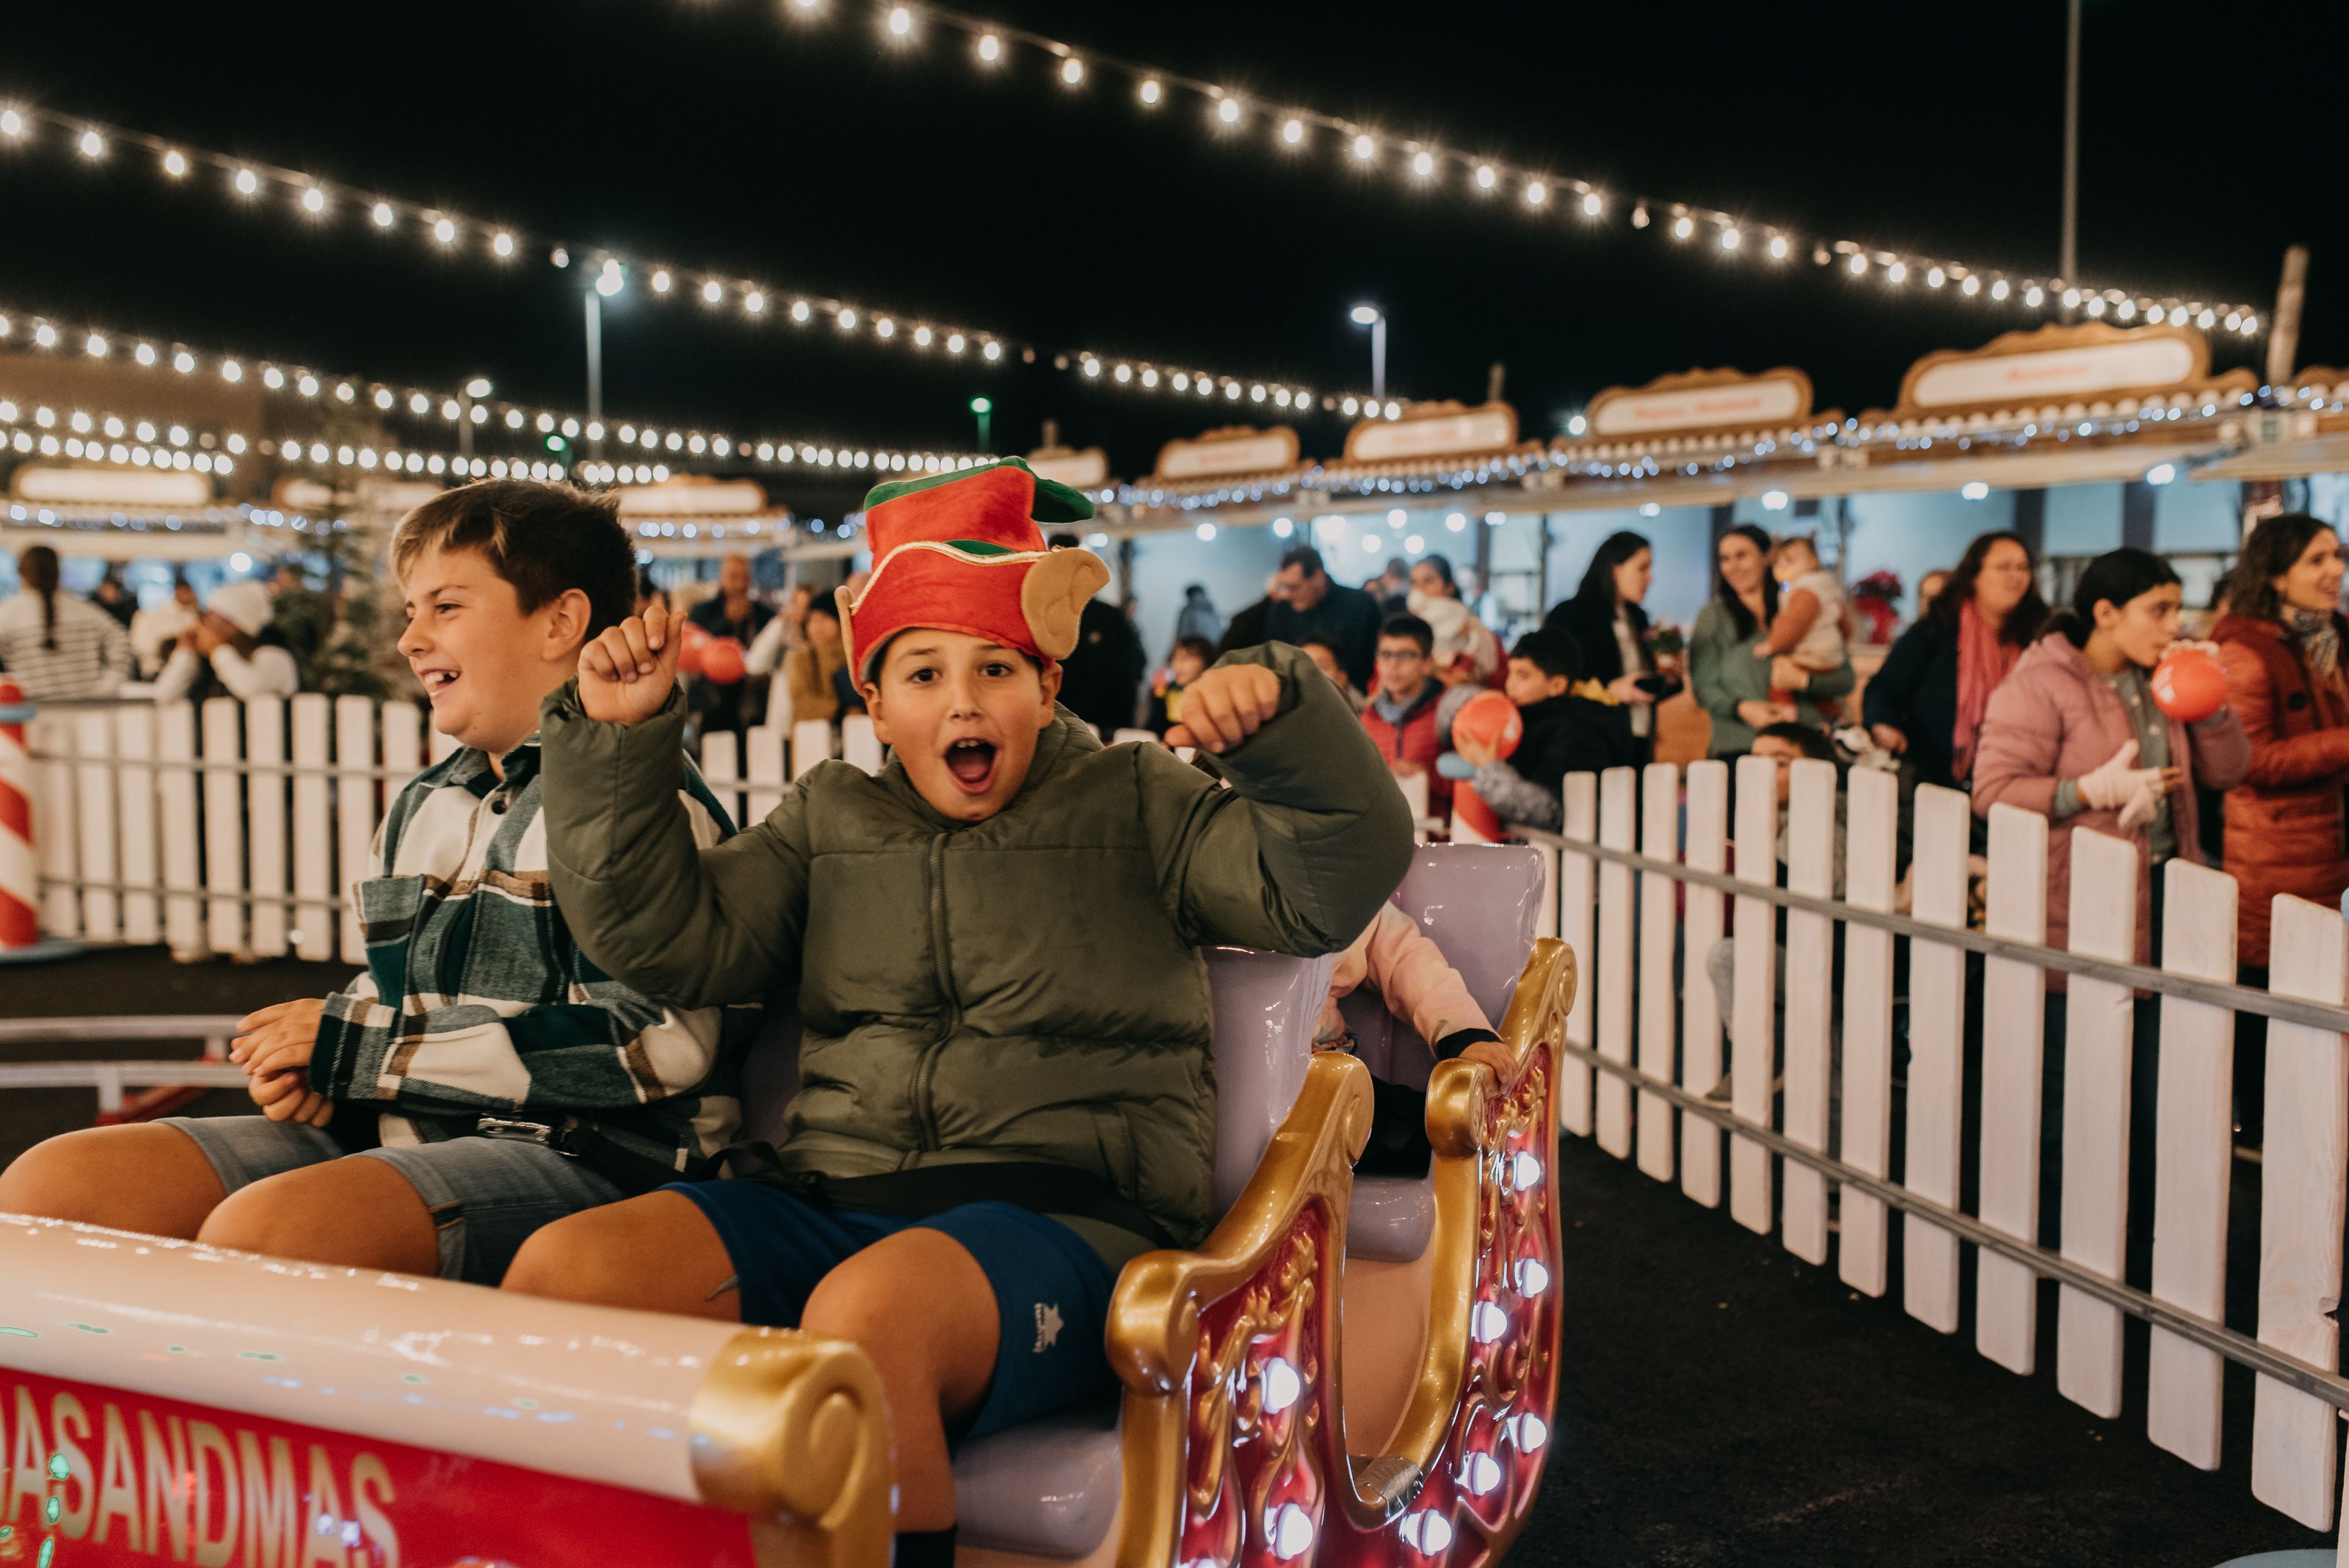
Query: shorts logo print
{"x": 1048, "y": 1327}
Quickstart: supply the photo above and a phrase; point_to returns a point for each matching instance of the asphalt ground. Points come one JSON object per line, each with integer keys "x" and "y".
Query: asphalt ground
{"x": 1722, "y": 1402}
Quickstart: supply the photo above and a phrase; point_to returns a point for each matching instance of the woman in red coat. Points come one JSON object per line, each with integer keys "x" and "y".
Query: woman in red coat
{"x": 2280, "y": 643}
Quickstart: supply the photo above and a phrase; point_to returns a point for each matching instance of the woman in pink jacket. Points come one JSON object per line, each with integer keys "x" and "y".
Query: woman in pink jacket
{"x": 2074, "y": 734}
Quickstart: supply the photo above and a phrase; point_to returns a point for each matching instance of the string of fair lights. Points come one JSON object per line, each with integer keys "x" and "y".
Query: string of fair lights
{"x": 555, "y": 430}
{"x": 1295, "y": 132}
{"x": 746, "y": 302}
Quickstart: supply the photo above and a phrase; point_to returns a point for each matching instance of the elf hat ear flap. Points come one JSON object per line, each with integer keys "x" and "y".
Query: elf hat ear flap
{"x": 847, "y": 606}
{"x": 1052, "y": 598}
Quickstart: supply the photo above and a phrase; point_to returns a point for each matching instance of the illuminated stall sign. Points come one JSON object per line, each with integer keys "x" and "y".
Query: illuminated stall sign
{"x": 1086, "y": 470}
{"x": 1224, "y": 453}
{"x": 1434, "y": 430}
{"x": 1699, "y": 400}
{"x": 2057, "y": 364}
{"x": 691, "y": 496}
{"x": 112, "y": 486}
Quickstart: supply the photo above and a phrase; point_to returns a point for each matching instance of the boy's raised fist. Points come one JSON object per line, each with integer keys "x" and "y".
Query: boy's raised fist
{"x": 625, "y": 674}
{"x": 1225, "y": 706}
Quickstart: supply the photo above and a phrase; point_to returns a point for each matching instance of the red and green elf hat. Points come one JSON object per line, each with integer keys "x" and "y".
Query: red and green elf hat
{"x": 963, "y": 552}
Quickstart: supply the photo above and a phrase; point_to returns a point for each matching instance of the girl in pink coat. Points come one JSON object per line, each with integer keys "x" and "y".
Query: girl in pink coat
{"x": 2074, "y": 733}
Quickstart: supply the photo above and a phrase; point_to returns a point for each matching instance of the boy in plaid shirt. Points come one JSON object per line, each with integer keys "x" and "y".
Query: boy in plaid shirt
{"x": 490, "y": 1076}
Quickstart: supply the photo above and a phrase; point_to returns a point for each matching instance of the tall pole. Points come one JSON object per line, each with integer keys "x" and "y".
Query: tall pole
{"x": 2283, "y": 327}
{"x": 594, "y": 308}
{"x": 2070, "y": 261}
{"x": 1379, "y": 358}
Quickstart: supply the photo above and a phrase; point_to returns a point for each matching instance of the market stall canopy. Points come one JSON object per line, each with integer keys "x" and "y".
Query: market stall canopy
{"x": 2057, "y": 373}
{"x": 1085, "y": 470}
{"x": 695, "y": 515}
{"x": 1221, "y": 456}
{"x": 1699, "y": 413}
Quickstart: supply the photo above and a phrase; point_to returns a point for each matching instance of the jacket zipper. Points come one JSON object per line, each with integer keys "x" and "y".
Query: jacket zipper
{"x": 924, "y": 1109}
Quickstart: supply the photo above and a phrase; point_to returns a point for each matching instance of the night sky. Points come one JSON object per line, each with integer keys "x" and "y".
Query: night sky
{"x": 814, "y": 154}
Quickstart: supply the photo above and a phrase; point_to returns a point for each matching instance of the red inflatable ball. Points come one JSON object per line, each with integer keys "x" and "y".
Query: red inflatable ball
{"x": 721, "y": 660}
{"x": 2189, "y": 685}
{"x": 693, "y": 647}
{"x": 1490, "y": 720}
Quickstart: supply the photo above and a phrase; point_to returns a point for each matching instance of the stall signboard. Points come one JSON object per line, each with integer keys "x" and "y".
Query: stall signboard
{"x": 107, "y": 486}
{"x": 1695, "y": 401}
{"x": 1086, "y": 470}
{"x": 1226, "y": 453}
{"x": 2055, "y": 364}
{"x": 1434, "y": 430}
{"x": 691, "y": 496}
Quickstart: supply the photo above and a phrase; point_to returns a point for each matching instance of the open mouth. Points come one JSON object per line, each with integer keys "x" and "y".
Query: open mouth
{"x": 972, "y": 762}
{"x": 436, "y": 682}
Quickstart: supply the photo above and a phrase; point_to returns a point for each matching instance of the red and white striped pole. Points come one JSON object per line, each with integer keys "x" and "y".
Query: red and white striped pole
{"x": 20, "y": 870}
{"x": 20, "y": 923}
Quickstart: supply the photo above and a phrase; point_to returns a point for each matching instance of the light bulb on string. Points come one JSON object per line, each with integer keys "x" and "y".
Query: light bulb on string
{"x": 91, "y": 145}
{"x": 313, "y": 201}
{"x": 1537, "y": 193}
{"x": 1970, "y": 286}
{"x": 12, "y": 124}
{"x": 712, "y": 292}
{"x": 502, "y": 246}
{"x": 1228, "y": 110}
{"x": 901, "y": 21}
{"x": 444, "y": 231}
{"x": 799, "y": 311}
{"x": 1365, "y": 149}
{"x": 1486, "y": 178}
{"x": 1422, "y": 164}
{"x": 661, "y": 280}
{"x": 1072, "y": 71}
{"x": 754, "y": 302}
{"x": 1683, "y": 228}
{"x": 175, "y": 163}
{"x": 382, "y": 214}
{"x": 1150, "y": 93}
{"x": 246, "y": 182}
{"x": 1591, "y": 204}
{"x": 1730, "y": 239}
{"x": 1292, "y": 131}
{"x": 991, "y": 48}
{"x": 1777, "y": 247}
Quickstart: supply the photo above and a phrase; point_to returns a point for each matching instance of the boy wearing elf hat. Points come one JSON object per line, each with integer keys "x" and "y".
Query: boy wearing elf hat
{"x": 1007, "y": 1085}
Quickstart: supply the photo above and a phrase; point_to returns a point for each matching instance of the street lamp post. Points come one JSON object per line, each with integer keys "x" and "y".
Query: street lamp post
{"x": 609, "y": 281}
{"x": 475, "y": 389}
{"x": 985, "y": 410}
{"x": 1370, "y": 316}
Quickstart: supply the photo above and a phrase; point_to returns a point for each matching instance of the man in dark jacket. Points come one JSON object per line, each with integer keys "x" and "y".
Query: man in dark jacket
{"x": 730, "y": 612}
{"x": 1101, "y": 677}
{"x": 1311, "y": 602}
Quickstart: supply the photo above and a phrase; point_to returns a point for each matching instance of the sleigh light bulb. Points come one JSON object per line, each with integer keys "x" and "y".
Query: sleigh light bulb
{"x": 1487, "y": 1323}
{"x": 1281, "y": 1386}
{"x": 1525, "y": 1170}
{"x": 1532, "y": 1277}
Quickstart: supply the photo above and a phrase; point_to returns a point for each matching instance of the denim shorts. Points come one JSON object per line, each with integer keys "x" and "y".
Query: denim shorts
{"x": 1051, "y": 1289}
{"x": 486, "y": 1195}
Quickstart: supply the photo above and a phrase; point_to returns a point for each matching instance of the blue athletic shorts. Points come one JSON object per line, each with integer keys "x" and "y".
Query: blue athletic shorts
{"x": 486, "y": 1195}
{"x": 1051, "y": 1289}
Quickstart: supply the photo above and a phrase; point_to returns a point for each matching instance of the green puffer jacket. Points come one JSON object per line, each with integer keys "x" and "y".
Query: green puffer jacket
{"x": 1023, "y": 988}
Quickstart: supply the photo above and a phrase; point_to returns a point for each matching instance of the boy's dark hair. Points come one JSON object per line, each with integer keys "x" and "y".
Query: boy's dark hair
{"x": 1814, "y": 742}
{"x": 1552, "y": 651}
{"x": 1323, "y": 640}
{"x": 544, "y": 539}
{"x": 2114, "y": 577}
{"x": 1412, "y": 627}
{"x": 1306, "y": 557}
{"x": 1198, "y": 648}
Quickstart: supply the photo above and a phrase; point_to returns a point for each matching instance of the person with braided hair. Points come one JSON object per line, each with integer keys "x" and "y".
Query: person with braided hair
{"x": 57, "y": 646}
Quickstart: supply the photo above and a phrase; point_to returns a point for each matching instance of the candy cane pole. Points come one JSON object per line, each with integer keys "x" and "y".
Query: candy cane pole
{"x": 20, "y": 873}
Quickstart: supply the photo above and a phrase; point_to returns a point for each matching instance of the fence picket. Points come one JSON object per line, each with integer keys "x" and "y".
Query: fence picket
{"x": 2294, "y": 1436}
{"x": 264, "y": 795}
{"x": 314, "y": 854}
{"x": 859, "y": 744}
{"x": 1614, "y": 976}
{"x": 1576, "y": 883}
{"x": 134, "y": 743}
{"x": 221, "y": 720}
{"x": 1811, "y": 858}
{"x": 94, "y": 810}
{"x": 175, "y": 742}
{"x": 54, "y": 835}
{"x": 766, "y": 771}
{"x": 1545, "y": 912}
{"x": 403, "y": 754}
{"x": 354, "y": 811}
{"x": 1871, "y": 829}
{"x": 1660, "y": 840}
{"x": 2193, "y": 1160}
{"x": 1752, "y": 1047}
{"x": 1937, "y": 1027}
{"x": 2014, "y": 1021}
{"x": 438, "y": 747}
{"x": 810, "y": 743}
{"x": 1708, "y": 850}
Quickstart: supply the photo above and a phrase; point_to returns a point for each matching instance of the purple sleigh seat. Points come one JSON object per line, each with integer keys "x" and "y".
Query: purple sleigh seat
{"x": 1050, "y": 1489}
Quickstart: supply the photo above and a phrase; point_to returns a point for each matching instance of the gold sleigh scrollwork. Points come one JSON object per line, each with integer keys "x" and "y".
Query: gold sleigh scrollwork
{"x": 1234, "y": 1430}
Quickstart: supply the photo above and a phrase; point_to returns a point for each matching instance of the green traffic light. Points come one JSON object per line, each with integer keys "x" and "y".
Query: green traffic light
{"x": 555, "y": 443}
{"x": 981, "y": 406}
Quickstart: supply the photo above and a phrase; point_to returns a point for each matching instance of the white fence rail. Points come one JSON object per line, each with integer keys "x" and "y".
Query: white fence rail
{"x": 1814, "y": 1081}
{"x": 237, "y": 828}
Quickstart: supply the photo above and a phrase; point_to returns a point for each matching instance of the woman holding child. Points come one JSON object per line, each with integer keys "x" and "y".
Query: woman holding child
{"x": 1745, "y": 692}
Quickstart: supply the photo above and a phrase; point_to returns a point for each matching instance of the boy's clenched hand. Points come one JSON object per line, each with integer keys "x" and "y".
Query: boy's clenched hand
{"x": 1222, "y": 707}
{"x": 625, "y": 674}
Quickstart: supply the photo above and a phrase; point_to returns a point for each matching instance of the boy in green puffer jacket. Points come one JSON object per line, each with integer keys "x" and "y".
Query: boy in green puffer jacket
{"x": 1007, "y": 1090}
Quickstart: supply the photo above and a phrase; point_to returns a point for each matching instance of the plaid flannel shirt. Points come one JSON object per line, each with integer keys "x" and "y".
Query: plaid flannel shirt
{"x": 476, "y": 999}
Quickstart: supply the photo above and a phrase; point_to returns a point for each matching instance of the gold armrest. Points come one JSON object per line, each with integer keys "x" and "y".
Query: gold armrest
{"x": 793, "y": 1431}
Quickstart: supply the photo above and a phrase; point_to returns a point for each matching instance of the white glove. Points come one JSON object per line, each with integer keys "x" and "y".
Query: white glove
{"x": 2142, "y": 805}
{"x": 2109, "y": 785}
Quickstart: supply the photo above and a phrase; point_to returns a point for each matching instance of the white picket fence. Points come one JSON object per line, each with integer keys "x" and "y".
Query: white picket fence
{"x": 1648, "y": 1023}
{"x": 237, "y": 828}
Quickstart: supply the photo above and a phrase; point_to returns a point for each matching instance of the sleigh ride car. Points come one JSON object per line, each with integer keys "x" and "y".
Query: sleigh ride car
{"x": 1349, "y": 1369}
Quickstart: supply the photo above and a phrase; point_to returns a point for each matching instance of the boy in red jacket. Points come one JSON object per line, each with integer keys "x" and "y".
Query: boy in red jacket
{"x": 1400, "y": 716}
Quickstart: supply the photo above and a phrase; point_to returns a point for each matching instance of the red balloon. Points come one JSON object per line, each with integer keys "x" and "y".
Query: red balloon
{"x": 2189, "y": 685}
{"x": 692, "y": 646}
{"x": 1492, "y": 720}
{"x": 721, "y": 660}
